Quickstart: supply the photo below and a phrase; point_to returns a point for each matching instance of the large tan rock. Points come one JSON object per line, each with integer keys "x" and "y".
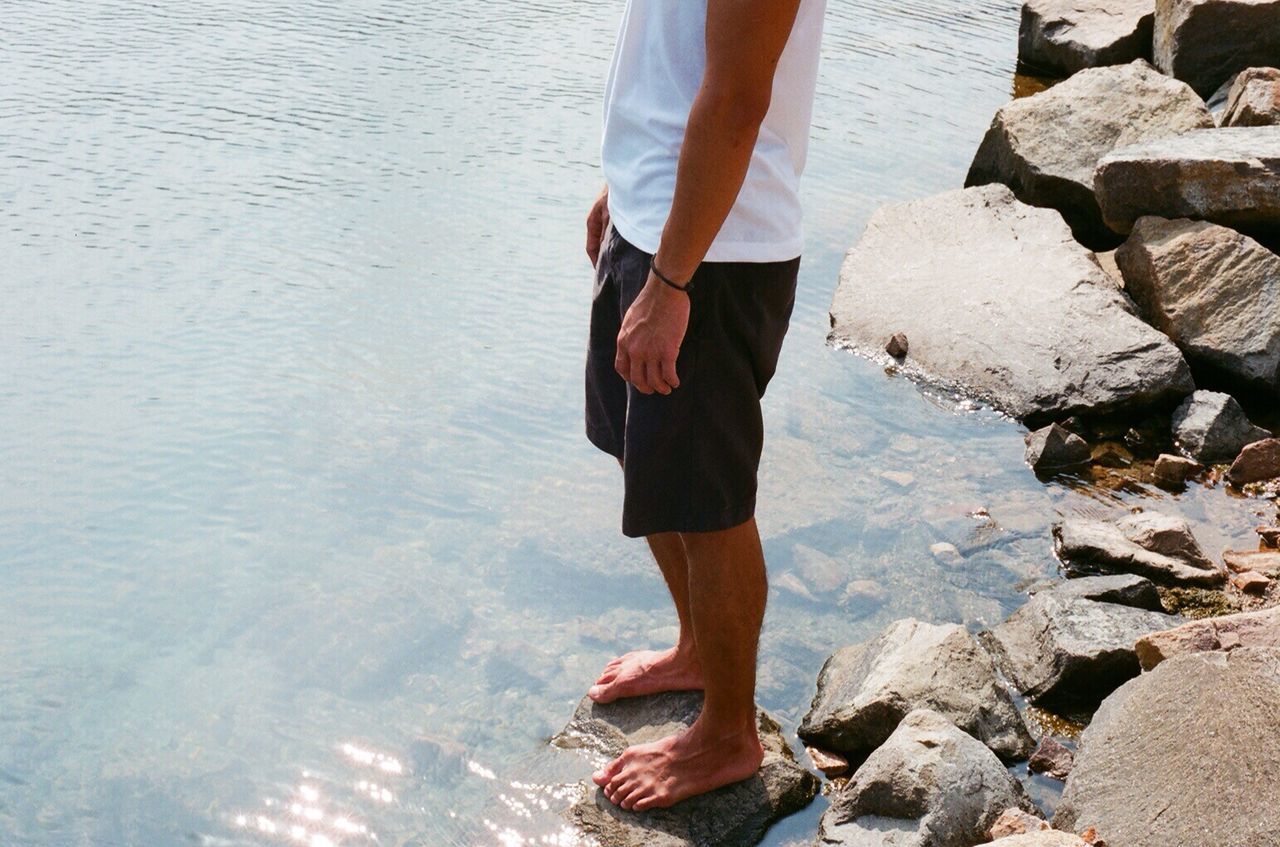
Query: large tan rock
{"x": 1254, "y": 98}
{"x": 1043, "y": 838}
{"x": 1045, "y": 147}
{"x": 1229, "y": 175}
{"x": 1214, "y": 291}
{"x": 1257, "y": 462}
{"x": 1247, "y": 629}
{"x": 1186, "y": 754}
{"x": 1205, "y": 42}
{"x": 1157, "y": 546}
{"x": 1060, "y": 37}
{"x": 1000, "y": 301}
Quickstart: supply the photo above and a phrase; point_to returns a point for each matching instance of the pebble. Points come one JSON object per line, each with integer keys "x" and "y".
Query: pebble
{"x": 1250, "y": 582}
{"x": 897, "y": 346}
{"x": 947, "y": 553}
{"x": 1171, "y": 470}
{"x": 1052, "y": 759}
{"x": 1014, "y": 821}
{"x": 830, "y": 764}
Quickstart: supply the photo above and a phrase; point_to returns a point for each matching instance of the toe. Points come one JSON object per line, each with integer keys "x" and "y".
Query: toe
{"x": 632, "y": 794}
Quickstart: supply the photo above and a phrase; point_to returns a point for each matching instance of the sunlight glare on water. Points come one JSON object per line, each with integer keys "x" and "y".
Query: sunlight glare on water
{"x": 300, "y": 540}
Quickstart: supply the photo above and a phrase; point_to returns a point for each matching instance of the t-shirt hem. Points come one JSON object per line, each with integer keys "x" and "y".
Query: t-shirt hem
{"x": 728, "y": 251}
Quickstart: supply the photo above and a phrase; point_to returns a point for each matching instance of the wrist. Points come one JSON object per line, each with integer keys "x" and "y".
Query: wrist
{"x": 679, "y": 283}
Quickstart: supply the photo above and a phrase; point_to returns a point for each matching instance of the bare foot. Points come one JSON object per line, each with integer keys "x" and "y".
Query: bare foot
{"x": 664, "y": 772}
{"x": 646, "y": 672}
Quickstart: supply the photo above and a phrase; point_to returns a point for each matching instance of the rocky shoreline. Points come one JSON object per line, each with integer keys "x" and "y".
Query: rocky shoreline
{"x": 1108, "y": 276}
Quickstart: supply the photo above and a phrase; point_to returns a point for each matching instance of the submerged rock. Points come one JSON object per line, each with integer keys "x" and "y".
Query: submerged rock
{"x": 1229, "y": 176}
{"x": 1257, "y": 462}
{"x": 1253, "y": 99}
{"x": 1051, "y": 758}
{"x": 1246, "y": 629}
{"x": 1069, "y": 650}
{"x": 737, "y": 814}
{"x": 1188, "y": 754}
{"x": 865, "y": 690}
{"x": 1214, "y": 291}
{"x": 928, "y": 785}
{"x": 1205, "y": 42}
{"x": 1212, "y": 427}
{"x": 1064, "y": 36}
{"x": 1046, "y": 147}
{"x": 1124, "y": 589}
{"x": 1159, "y": 547}
{"x": 1044, "y": 332}
{"x": 1053, "y": 448}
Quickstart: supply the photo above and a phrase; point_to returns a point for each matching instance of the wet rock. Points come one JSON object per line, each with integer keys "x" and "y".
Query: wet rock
{"x": 866, "y": 689}
{"x": 1071, "y": 651}
{"x": 1047, "y": 838}
{"x": 1052, "y": 759}
{"x": 1163, "y": 752}
{"x": 1061, "y": 37}
{"x": 1111, "y": 455}
{"x": 1053, "y": 448}
{"x": 1246, "y": 629}
{"x": 1045, "y": 333}
{"x": 946, "y": 553}
{"x": 737, "y": 814}
{"x": 1159, "y": 547}
{"x": 1046, "y": 147}
{"x": 1229, "y": 176}
{"x": 897, "y": 346}
{"x": 1204, "y": 42}
{"x": 1212, "y": 427}
{"x": 1172, "y": 471}
{"x": 1254, "y": 98}
{"x": 928, "y": 785}
{"x": 1270, "y": 535}
{"x": 1257, "y": 462}
{"x": 1149, "y": 436}
{"x": 1263, "y": 561}
{"x": 1123, "y": 589}
{"x": 820, "y": 572}
{"x": 1016, "y": 822}
{"x": 1250, "y": 582}
{"x": 829, "y": 764}
{"x": 1214, "y": 291}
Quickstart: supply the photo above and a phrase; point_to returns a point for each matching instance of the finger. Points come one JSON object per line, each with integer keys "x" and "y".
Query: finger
{"x": 653, "y": 376}
{"x": 622, "y": 362}
{"x": 638, "y": 378}
{"x": 669, "y": 375}
{"x": 604, "y": 220}
{"x": 593, "y": 236}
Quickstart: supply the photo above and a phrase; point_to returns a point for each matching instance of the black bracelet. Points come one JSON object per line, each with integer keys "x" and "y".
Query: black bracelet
{"x": 663, "y": 278}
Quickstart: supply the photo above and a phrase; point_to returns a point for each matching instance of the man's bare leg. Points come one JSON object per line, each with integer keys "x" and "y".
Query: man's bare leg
{"x": 651, "y": 671}
{"x": 727, "y": 592}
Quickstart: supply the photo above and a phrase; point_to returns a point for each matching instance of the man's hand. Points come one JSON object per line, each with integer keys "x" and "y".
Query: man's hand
{"x": 597, "y": 223}
{"x": 650, "y": 339}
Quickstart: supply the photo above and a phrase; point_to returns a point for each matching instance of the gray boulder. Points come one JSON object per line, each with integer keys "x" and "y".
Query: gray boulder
{"x": 1253, "y": 99}
{"x": 1159, "y": 547}
{"x": 1053, "y": 448}
{"x": 1229, "y": 176}
{"x": 1212, "y": 427}
{"x": 1046, "y": 147}
{"x": 1214, "y": 291}
{"x": 1258, "y": 462}
{"x": 1123, "y": 589}
{"x": 1060, "y": 37}
{"x": 1000, "y": 301}
{"x": 1204, "y": 42}
{"x": 737, "y": 814}
{"x": 928, "y": 785}
{"x": 1069, "y": 651}
{"x": 865, "y": 690}
{"x": 1186, "y": 754}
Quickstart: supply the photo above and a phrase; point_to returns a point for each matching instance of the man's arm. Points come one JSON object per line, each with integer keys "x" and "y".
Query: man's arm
{"x": 744, "y": 39}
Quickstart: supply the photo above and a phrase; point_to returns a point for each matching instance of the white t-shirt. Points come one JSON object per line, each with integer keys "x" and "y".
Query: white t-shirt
{"x": 656, "y": 72}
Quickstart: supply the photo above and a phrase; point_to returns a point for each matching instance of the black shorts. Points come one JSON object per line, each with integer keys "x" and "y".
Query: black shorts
{"x": 689, "y": 458}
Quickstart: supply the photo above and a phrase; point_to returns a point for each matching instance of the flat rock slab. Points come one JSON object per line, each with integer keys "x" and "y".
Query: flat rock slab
{"x": 1071, "y": 651}
{"x": 1257, "y": 462}
{"x": 1046, "y": 147}
{"x": 1044, "y": 838}
{"x": 1265, "y": 562}
{"x": 1229, "y": 176}
{"x": 1124, "y": 589}
{"x": 1159, "y": 547}
{"x": 1188, "y": 753}
{"x": 1247, "y": 629}
{"x": 1206, "y": 42}
{"x": 865, "y": 690}
{"x": 1060, "y": 37}
{"x": 1212, "y": 427}
{"x": 1001, "y": 302}
{"x": 1253, "y": 99}
{"x": 737, "y": 814}
{"x": 928, "y": 785}
{"x": 1213, "y": 290}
